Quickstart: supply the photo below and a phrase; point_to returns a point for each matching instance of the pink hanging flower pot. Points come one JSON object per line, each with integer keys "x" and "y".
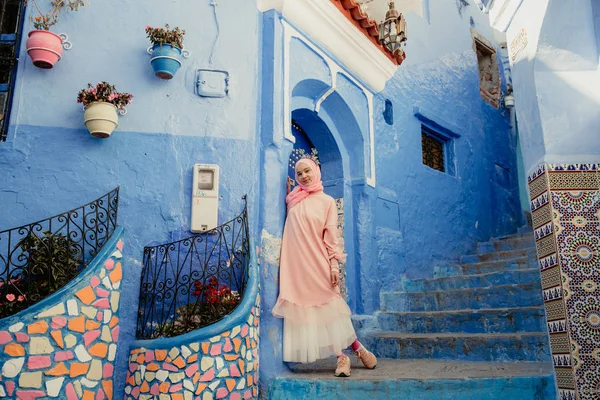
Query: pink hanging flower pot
{"x": 45, "y": 47}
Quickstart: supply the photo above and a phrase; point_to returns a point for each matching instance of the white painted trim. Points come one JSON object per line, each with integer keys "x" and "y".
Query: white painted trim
{"x": 288, "y": 33}
{"x": 334, "y": 68}
{"x": 326, "y": 25}
{"x": 371, "y": 178}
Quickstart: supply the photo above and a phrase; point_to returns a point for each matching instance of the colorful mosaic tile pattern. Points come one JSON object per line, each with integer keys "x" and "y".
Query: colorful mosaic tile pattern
{"x": 67, "y": 349}
{"x": 224, "y": 366}
{"x": 565, "y": 200}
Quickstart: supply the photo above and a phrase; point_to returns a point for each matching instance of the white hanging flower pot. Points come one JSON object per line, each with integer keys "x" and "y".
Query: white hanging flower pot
{"x": 101, "y": 119}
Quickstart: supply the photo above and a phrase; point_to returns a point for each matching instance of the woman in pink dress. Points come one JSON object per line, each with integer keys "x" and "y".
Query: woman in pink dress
{"x": 316, "y": 318}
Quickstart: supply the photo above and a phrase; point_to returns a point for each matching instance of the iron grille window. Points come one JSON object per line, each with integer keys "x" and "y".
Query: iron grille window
{"x": 433, "y": 150}
{"x": 10, "y": 32}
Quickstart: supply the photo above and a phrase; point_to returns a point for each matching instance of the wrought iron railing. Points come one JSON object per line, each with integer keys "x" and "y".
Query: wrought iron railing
{"x": 194, "y": 282}
{"x": 39, "y": 258}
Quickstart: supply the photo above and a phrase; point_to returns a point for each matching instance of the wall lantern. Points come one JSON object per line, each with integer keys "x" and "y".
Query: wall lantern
{"x": 392, "y": 31}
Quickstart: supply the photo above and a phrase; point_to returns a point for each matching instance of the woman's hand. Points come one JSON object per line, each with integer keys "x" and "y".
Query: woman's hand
{"x": 335, "y": 277}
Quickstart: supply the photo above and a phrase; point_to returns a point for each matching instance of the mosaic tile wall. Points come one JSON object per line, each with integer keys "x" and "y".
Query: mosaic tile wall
{"x": 66, "y": 348}
{"x": 224, "y": 366}
{"x": 565, "y": 204}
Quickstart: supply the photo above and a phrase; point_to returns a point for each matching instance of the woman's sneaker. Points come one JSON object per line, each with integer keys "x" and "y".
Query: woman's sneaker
{"x": 367, "y": 358}
{"x": 343, "y": 366}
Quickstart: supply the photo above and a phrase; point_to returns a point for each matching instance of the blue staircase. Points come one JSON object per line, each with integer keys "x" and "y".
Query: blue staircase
{"x": 476, "y": 330}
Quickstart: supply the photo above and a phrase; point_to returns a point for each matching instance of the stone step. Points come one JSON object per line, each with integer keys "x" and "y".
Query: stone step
{"x": 521, "y": 346}
{"x": 417, "y": 380}
{"x": 506, "y": 244}
{"x": 501, "y": 296}
{"x": 529, "y": 252}
{"x": 472, "y": 281}
{"x": 485, "y": 267}
{"x": 522, "y": 233}
{"x": 496, "y": 320}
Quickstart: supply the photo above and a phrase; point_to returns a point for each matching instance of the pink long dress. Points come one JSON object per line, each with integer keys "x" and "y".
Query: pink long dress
{"x": 316, "y": 317}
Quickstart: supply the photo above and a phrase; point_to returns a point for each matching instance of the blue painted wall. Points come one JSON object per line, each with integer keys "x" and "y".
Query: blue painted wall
{"x": 414, "y": 217}
{"x": 51, "y": 164}
{"x": 555, "y": 81}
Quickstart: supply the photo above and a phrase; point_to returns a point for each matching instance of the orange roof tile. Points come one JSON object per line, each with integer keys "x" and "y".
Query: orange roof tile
{"x": 354, "y": 13}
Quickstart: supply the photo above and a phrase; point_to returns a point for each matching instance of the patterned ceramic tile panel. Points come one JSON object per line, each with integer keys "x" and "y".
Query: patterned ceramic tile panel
{"x": 574, "y": 197}
{"x": 224, "y": 366}
{"x": 66, "y": 350}
{"x": 340, "y": 213}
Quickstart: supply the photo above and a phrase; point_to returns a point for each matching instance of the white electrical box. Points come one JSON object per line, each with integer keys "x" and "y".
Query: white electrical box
{"x": 205, "y": 198}
{"x": 211, "y": 83}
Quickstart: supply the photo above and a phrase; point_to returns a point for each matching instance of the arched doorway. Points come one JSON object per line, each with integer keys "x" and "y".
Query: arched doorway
{"x": 303, "y": 148}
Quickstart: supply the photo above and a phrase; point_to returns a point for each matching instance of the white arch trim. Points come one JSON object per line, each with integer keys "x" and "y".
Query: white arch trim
{"x": 290, "y": 32}
{"x": 327, "y": 26}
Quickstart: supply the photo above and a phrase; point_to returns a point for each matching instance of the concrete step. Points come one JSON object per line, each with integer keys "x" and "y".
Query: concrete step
{"x": 506, "y": 244}
{"x": 501, "y": 296}
{"x": 417, "y": 380}
{"x": 485, "y": 267}
{"x": 504, "y": 320}
{"x": 521, "y": 346}
{"x": 529, "y": 252}
{"x": 472, "y": 281}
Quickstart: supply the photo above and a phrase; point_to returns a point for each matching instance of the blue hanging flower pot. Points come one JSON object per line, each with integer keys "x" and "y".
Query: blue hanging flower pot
{"x": 166, "y": 59}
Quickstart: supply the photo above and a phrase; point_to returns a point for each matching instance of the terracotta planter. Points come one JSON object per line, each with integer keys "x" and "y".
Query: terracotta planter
{"x": 101, "y": 119}
{"x": 45, "y": 48}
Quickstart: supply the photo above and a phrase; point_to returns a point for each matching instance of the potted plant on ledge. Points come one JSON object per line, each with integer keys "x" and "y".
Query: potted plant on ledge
{"x": 45, "y": 47}
{"x": 101, "y": 104}
{"x": 166, "y": 50}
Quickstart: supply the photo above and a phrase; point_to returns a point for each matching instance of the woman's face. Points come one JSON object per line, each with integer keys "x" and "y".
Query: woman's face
{"x": 304, "y": 174}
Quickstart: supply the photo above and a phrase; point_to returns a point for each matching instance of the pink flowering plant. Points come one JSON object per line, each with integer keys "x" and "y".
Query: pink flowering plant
{"x": 47, "y": 19}
{"x": 166, "y": 35}
{"x": 104, "y": 92}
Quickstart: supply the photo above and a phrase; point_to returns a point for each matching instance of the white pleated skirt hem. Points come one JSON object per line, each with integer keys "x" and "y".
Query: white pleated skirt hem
{"x": 315, "y": 332}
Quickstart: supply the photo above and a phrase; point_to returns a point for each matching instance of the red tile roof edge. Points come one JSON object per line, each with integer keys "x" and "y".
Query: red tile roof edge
{"x": 353, "y": 12}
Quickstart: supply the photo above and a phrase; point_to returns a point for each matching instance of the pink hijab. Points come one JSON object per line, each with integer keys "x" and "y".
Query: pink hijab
{"x": 301, "y": 191}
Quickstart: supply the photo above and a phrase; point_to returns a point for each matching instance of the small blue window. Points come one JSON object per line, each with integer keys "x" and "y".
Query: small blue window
{"x": 438, "y": 150}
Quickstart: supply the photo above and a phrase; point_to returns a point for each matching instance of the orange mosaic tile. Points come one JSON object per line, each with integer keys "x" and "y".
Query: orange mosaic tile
{"x": 141, "y": 358}
{"x": 14, "y": 350}
{"x": 230, "y": 384}
{"x": 160, "y": 354}
{"x": 86, "y": 295}
{"x": 91, "y": 325}
{"x": 38, "y": 327}
{"x": 196, "y": 377}
{"x": 152, "y": 367}
{"x": 99, "y": 350}
{"x": 116, "y": 274}
{"x": 113, "y": 322}
{"x": 164, "y": 387}
{"x": 231, "y": 357}
{"x": 88, "y": 395}
{"x": 59, "y": 370}
{"x": 226, "y": 334}
{"x": 78, "y": 369}
{"x": 57, "y": 336}
{"x": 205, "y": 346}
{"x": 145, "y": 388}
{"x": 108, "y": 389}
{"x": 176, "y": 396}
{"x": 192, "y": 359}
{"x": 77, "y": 324}
{"x": 201, "y": 387}
{"x": 131, "y": 380}
{"x": 237, "y": 342}
{"x": 241, "y": 365}
{"x": 179, "y": 362}
{"x": 249, "y": 379}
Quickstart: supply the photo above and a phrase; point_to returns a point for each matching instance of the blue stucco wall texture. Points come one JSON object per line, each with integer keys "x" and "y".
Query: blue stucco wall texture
{"x": 414, "y": 217}
{"x": 51, "y": 164}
